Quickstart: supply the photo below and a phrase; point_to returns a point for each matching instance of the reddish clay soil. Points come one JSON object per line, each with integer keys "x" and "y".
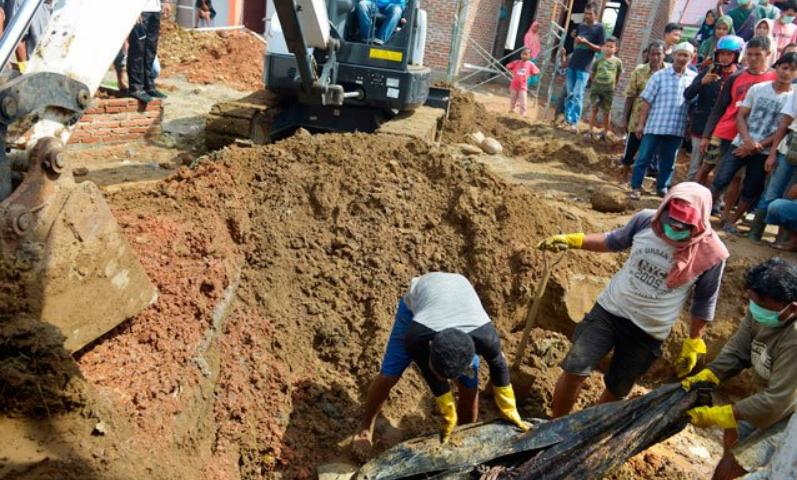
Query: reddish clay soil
{"x": 227, "y": 57}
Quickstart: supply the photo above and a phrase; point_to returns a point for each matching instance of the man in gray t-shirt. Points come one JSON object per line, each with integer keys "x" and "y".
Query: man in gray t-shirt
{"x": 442, "y": 327}
{"x": 757, "y": 120}
{"x": 637, "y": 310}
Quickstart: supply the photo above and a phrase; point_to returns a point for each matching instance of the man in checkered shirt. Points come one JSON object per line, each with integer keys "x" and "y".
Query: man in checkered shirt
{"x": 662, "y": 120}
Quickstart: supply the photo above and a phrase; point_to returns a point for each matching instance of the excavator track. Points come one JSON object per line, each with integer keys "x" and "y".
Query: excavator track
{"x": 249, "y": 118}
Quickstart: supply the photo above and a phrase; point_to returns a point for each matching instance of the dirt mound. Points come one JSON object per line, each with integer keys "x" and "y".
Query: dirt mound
{"x": 332, "y": 228}
{"x": 534, "y": 141}
{"x": 232, "y": 58}
{"x": 37, "y": 376}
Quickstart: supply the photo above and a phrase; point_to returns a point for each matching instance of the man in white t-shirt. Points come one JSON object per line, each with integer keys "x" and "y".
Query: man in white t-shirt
{"x": 757, "y": 121}
{"x": 143, "y": 49}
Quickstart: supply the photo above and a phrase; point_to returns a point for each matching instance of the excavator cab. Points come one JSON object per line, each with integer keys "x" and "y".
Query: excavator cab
{"x": 343, "y": 83}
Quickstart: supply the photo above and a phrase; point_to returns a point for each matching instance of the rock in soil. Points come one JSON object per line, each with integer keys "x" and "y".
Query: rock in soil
{"x": 491, "y": 146}
{"x": 610, "y": 200}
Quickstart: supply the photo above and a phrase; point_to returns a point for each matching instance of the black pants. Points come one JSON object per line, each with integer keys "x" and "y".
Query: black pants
{"x": 142, "y": 51}
{"x": 631, "y": 148}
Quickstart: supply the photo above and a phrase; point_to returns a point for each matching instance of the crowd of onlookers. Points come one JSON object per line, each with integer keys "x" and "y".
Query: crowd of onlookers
{"x": 725, "y": 96}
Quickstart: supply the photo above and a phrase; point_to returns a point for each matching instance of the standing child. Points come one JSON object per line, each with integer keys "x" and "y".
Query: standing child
{"x": 521, "y": 71}
{"x": 605, "y": 74}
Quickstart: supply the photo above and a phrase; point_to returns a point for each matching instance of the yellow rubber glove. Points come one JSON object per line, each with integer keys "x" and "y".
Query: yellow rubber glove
{"x": 705, "y": 417}
{"x": 557, "y": 242}
{"x": 505, "y": 400}
{"x": 22, "y": 66}
{"x": 691, "y": 348}
{"x": 704, "y": 375}
{"x": 448, "y": 408}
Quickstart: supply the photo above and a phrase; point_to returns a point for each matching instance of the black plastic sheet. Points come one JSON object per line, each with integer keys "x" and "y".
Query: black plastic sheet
{"x": 588, "y": 444}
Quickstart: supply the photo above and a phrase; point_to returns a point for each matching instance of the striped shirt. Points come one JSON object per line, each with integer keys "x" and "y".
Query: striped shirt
{"x": 668, "y": 108}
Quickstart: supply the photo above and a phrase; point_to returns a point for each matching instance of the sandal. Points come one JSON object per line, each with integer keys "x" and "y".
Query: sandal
{"x": 730, "y": 228}
{"x": 635, "y": 195}
{"x": 784, "y": 247}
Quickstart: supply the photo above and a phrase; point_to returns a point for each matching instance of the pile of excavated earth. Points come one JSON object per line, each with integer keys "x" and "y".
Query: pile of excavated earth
{"x": 233, "y": 58}
{"x": 279, "y": 269}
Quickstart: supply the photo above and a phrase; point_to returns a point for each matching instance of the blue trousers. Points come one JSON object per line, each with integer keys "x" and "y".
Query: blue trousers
{"x": 783, "y": 213}
{"x": 754, "y": 179}
{"x": 366, "y": 9}
{"x": 778, "y": 181}
{"x": 576, "y": 83}
{"x": 667, "y": 147}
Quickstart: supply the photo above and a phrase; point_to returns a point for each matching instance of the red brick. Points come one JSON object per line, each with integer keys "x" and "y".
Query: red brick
{"x": 120, "y": 102}
{"x": 137, "y": 122}
{"x": 90, "y": 140}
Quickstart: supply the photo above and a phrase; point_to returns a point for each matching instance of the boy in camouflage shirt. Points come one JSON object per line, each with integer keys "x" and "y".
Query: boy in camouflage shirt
{"x": 605, "y": 74}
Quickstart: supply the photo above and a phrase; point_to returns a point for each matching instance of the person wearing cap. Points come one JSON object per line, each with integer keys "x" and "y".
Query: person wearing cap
{"x": 674, "y": 255}
{"x": 442, "y": 327}
{"x": 758, "y": 121}
{"x": 766, "y": 343}
{"x": 662, "y": 120}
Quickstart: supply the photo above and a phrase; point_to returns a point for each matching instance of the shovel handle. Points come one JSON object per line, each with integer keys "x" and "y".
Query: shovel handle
{"x": 535, "y": 306}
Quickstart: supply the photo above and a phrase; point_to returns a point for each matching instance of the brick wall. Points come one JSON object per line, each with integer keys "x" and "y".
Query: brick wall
{"x": 480, "y": 23}
{"x": 440, "y": 21}
{"x": 118, "y": 120}
{"x": 645, "y": 22}
{"x": 482, "y": 26}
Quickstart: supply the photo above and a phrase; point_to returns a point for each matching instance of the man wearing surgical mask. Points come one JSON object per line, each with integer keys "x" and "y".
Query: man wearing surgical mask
{"x": 674, "y": 256}
{"x": 766, "y": 341}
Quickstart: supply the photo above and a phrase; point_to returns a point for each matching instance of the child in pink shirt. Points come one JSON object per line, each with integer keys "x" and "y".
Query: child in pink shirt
{"x": 784, "y": 30}
{"x": 521, "y": 71}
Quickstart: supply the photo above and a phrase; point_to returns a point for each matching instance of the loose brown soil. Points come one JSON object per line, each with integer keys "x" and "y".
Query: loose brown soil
{"x": 229, "y": 57}
{"x": 306, "y": 246}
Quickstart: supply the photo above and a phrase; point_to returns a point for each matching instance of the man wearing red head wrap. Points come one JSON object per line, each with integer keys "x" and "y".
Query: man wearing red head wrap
{"x": 674, "y": 254}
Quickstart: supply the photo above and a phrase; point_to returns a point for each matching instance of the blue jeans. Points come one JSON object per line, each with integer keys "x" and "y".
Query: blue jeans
{"x": 754, "y": 179}
{"x": 576, "y": 83}
{"x": 778, "y": 181}
{"x": 366, "y": 9}
{"x": 783, "y": 213}
{"x": 667, "y": 147}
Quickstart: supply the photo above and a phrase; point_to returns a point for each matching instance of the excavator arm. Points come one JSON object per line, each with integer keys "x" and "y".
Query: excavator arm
{"x": 59, "y": 241}
{"x": 305, "y": 25}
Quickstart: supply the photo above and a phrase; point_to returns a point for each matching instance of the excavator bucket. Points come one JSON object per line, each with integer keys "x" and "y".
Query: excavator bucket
{"x": 66, "y": 252}
{"x": 62, "y": 254}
